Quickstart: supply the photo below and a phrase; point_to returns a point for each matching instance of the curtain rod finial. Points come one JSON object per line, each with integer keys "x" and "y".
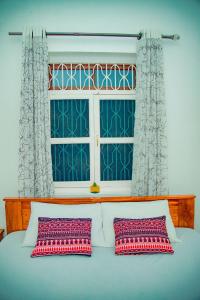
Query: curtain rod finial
{"x": 176, "y": 37}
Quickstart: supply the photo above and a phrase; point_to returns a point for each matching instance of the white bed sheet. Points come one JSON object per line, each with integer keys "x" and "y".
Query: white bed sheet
{"x": 102, "y": 276}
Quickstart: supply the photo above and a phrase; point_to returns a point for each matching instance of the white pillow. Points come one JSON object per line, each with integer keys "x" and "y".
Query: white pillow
{"x": 135, "y": 210}
{"x": 65, "y": 211}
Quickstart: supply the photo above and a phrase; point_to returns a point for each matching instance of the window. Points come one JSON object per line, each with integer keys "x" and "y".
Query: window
{"x": 92, "y": 110}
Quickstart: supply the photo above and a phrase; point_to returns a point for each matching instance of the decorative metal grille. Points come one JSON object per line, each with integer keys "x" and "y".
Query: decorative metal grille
{"x": 116, "y": 161}
{"x": 92, "y": 76}
{"x": 117, "y": 118}
{"x": 69, "y": 118}
{"x": 70, "y": 162}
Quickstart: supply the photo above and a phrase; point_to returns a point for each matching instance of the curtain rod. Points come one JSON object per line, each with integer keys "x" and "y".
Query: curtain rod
{"x": 137, "y": 35}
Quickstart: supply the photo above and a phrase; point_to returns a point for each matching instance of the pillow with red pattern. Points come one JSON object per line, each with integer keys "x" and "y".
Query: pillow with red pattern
{"x": 63, "y": 236}
{"x": 141, "y": 236}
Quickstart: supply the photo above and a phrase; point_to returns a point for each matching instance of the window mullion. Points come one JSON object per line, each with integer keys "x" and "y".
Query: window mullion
{"x": 91, "y": 133}
{"x": 96, "y": 114}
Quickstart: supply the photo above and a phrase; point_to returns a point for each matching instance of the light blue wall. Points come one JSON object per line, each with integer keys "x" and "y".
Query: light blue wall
{"x": 182, "y": 65}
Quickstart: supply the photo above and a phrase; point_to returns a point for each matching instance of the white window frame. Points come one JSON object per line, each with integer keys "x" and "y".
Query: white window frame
{"x": 78, "y": 188}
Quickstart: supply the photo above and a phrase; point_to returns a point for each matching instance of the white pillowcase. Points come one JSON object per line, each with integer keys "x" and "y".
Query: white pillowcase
{"x": 65, "y": 211}
{"x": 135, "y": 210}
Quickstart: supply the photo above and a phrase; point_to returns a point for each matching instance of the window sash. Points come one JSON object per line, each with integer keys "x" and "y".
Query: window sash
{"x": 77, "y": 140}
{"x": 102, "y": 140}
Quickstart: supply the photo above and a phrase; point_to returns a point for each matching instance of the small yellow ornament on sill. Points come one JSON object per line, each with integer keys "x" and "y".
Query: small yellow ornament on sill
{"x": 94, "y": 188}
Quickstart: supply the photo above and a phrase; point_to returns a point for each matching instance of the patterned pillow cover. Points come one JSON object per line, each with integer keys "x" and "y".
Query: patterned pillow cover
{"x": 141, "y": 236}
{"x": 63, "y": 236}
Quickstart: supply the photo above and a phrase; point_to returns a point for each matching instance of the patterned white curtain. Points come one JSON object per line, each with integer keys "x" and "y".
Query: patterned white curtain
{"x": 35, "y": 169}
{"x": 150, "y": 166}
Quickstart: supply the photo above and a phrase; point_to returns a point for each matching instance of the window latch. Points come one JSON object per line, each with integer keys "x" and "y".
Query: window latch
{"x": 97, "y": 140}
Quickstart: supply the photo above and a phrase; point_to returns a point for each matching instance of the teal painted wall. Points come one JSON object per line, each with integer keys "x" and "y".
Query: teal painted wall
{"x": 182, "y": 65}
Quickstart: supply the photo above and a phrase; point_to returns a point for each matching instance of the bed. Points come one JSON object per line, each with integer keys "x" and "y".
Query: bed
{"x": 103, "y": 275}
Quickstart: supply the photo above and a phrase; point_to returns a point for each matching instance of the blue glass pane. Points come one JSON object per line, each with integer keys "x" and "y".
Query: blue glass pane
{"x": 70, "y": 79}
{"x": 70, "y": 162}
{"x": 117, "y": 118}
{"x": 116, "y": 161}
{"x": 69, "y": 118}
{"x": 114, "y": 79}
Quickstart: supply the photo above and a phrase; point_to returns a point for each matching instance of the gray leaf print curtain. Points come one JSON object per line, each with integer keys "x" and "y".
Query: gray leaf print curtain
{"x": 35, "y": 169}
{"x": 150, "y": 171}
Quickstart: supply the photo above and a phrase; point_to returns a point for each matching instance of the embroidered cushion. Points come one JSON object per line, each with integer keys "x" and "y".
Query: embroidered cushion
{"x": 141, "y": 236}
{"x": 62, "y": 236}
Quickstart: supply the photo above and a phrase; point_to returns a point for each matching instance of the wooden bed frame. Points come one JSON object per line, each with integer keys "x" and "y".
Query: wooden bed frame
{"x": 18, "y": 209}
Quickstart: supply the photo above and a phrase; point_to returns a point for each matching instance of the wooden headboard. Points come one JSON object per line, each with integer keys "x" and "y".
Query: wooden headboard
{"x": 18, "y": 209}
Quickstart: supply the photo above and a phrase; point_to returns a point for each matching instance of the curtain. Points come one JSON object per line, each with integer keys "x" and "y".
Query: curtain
{"x": 150, "y": 171}
{"x": 35, "y": 169}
